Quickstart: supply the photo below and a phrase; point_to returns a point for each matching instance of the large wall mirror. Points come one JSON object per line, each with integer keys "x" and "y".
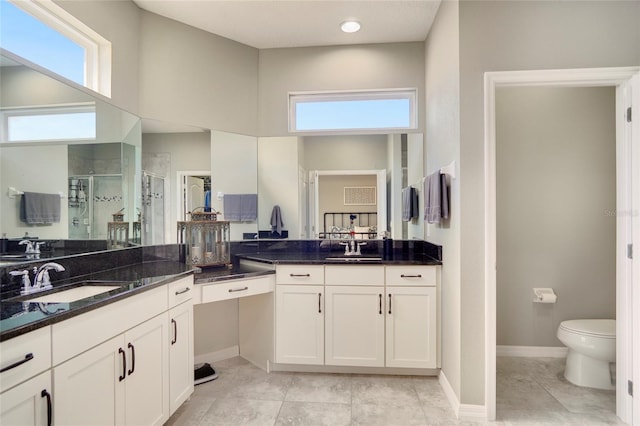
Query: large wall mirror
{"x": 57, "y": 138}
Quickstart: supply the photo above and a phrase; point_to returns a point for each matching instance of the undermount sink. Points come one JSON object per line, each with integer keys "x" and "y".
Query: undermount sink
{"x": 73, "y": 294}
{"x": 354, "y": 258}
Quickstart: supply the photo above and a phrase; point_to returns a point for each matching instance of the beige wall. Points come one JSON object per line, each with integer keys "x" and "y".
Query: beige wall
{"x": 556, "y": 190}
{"x": 442, "y": 145}
{"x": 345, "y": 152}
{"x": 331, "y": 195}
{"x": 374, "y": 66}
{"x": 495, "y": 36}
{"x": 190, "y": 76}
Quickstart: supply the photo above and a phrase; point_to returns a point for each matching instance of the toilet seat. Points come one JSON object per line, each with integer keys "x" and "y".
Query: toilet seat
{"x": 602, "y": 328}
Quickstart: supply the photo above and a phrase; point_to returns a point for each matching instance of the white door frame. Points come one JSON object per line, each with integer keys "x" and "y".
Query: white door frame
{"x": 180, "y": 188}
{"x": 560, "y": 78}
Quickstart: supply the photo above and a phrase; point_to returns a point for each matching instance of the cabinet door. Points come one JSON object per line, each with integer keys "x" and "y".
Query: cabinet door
{"x": 89, "y": 389}
{"x": 180, "y": 355}
{"x": 354, "y": 326}
{"x": 27, "y": 404}
{"x": 300, "y": 324}
{"x": 411, "y": 327}
{"x": 146, "y": 386}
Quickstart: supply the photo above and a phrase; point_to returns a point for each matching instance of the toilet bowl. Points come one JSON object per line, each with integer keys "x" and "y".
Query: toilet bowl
{"x": 592, "y": 347}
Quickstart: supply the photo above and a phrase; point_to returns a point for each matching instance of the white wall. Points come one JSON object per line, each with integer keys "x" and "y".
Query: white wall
{"x": 495, "y": 36}
{"x": 556, "y": 198}
{"x": 373, "y": 66}
{"x": 442, "y": 145}
{"x": 23, "y": 167}
{"x": 190, "y": 76}
{"x": 345, "y": 152}
{"x": 233, "y": 171}
{"x": 278, "y": 182}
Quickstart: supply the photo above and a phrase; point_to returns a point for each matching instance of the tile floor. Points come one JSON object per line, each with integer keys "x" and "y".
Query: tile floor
{"x": 530, "y": 391}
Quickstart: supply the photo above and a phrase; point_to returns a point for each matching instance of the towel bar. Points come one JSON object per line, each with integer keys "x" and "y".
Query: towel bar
{"x": 13, "y": 193}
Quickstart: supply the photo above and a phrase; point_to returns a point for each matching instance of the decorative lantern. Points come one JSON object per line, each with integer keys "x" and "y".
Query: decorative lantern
{"x": 206, "y": 239}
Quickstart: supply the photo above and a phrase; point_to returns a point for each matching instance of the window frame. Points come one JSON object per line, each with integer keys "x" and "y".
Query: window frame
{"x": 411, "y": 94}
{"x": 97, "y": 61}
{"x": 8, "y": 113}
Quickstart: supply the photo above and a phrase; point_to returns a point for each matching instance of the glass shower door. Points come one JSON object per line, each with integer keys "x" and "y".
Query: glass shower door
{"x": 153, "y": 206}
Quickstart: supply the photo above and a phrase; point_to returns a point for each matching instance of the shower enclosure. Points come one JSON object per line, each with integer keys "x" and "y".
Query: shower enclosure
{"x": 93, "y": 199}
{"x": 153, "y": 209}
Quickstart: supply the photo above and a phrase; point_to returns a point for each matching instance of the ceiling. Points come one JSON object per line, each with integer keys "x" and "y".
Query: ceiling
{"x": 268, "y": 24}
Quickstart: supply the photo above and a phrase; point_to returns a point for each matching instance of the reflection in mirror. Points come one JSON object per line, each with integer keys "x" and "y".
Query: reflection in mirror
{"x": 97, "y": 170}
{"x": 289, "y": 169}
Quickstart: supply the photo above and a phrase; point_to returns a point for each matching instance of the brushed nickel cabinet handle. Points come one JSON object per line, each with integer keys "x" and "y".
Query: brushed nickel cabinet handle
{"x": 232, "y": 290}
{"x": 182, "y": 291}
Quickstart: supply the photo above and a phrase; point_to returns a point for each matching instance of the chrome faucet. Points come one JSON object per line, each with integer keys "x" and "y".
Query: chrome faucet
{"x": 29, "y": 249}
{"x": 41, "y": 279}
{"x": 352, "y": 247}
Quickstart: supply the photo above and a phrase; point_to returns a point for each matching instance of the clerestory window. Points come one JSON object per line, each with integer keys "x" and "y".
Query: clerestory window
{"x": 44, "y": 33}
{"x": 353, "y": 111}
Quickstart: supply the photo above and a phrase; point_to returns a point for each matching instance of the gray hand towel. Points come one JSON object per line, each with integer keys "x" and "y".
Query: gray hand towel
{"x": 240, "y": 207}
{"x": 433, "y": 198}
{"x": 276, "y": 220}
{"x": 36, "y": 208}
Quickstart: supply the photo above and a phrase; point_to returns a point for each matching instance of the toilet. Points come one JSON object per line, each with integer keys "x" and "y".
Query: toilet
{"x": 592, "y": 347}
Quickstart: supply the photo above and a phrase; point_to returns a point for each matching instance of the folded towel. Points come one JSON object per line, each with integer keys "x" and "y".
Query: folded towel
{"x": 410, "y": 207}
{"x": 406, "y": 204}
{"x": 444, "y": 196}
{"x": 240, "y": 207}
{"x": 36, "y": 208}
{"x": 248, "y": 207}
{"x": 276, "y": 220}
{"x": 433, "y": 199}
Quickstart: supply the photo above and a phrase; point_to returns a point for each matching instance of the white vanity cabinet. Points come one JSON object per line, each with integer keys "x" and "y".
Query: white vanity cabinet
{"x": 411, "y": 310}
{"x": 29, "y": 403}
{"x": 354, "y": 317}
{"x": 180, "y": 342}
{"x": 299, "y": 314}
{"x": 25, "y": 380}
{"x": 357, "y": 315}
{"x": 121, "y": 381}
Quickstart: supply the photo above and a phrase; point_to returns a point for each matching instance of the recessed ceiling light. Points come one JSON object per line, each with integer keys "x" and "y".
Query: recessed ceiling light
{"x": 350, "y": 26}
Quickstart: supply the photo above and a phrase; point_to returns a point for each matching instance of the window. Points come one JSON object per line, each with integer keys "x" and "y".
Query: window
{"x": 372, "y": 111}
{"x": 45, "y": 34}
{"x": 50, "y": 124}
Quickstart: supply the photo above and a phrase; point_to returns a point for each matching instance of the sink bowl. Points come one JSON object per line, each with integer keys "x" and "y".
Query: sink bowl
{"x": 14, "y": 257}
{"x": 73, "y": 294}
{"x": 354, "y": 258}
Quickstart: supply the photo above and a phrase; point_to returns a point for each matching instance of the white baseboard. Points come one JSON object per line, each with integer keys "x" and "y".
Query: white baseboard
{"x": 449, "y": 392}
{"x": 462, "y": 411}
{"x": 212, "y": 357}
{"x": 532, "y": 351}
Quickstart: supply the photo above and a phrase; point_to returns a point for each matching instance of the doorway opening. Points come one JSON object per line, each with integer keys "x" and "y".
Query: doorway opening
{"x": 626, "y": 82}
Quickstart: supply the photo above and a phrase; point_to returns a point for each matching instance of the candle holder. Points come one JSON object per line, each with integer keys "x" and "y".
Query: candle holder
{"x": 206, "y": 239}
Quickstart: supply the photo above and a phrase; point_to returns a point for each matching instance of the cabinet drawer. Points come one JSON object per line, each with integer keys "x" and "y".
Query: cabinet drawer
{"x": 180, "y": 291}
{"x": 354, "y": 275}
{"x": 237, "y": 288}
{"x": 412, "y": 275}
{"x": 300, "y": 274}
{"x": 26, "y": 356}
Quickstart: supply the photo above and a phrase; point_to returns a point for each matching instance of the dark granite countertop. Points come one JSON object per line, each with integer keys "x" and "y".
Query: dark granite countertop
{"x": 224, "y": 273}
{"x": 18, "y": 317}
{"x": 324, "y": 258}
